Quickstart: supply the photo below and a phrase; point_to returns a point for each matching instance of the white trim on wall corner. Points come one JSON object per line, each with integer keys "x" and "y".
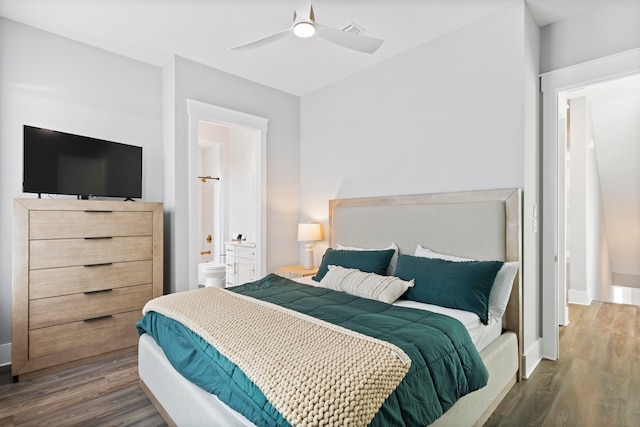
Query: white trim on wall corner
{"x": 531, "y": 359}
{"x": 5, "y": 354}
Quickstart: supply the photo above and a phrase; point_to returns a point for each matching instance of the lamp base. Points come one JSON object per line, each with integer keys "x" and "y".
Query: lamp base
{"x": 308, "y": 257}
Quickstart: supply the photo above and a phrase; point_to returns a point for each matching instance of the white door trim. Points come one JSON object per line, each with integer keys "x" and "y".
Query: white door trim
{"x": 198, "y": 110}
{"x": 552, "y": 83}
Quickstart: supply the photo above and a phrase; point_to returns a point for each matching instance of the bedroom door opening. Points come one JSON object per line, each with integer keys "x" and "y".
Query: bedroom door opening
{"x": 555, "y": 86}
{"x": 229, "y": 145}
{"x": 602, "y": 193}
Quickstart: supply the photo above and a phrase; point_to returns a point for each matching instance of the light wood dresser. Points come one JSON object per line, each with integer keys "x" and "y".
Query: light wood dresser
{"x": 82, "y": 271}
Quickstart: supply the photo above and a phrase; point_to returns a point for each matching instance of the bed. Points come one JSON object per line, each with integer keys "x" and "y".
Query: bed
{"x": 481, "y": 226}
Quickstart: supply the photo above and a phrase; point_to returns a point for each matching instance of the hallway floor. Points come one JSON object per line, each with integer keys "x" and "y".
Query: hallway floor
{"x": 595, "y": 382}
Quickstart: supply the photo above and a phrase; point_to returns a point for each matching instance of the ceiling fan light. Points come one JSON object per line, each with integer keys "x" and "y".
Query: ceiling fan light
{"x": 304, "y": 29}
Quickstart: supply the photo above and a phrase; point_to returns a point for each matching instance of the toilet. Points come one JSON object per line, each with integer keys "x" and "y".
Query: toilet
{"x": 212, "y": 274}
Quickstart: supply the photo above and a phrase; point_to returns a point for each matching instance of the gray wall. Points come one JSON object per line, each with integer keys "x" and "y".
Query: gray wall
{"x": 186, "y": 79}
{"x": 53, "y": 82}
{"x": 450, "y": 115}
{"x": 610, "y": 28}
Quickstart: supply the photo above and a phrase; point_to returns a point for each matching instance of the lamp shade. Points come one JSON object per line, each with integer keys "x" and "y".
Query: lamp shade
{"x": 309, "y": 232}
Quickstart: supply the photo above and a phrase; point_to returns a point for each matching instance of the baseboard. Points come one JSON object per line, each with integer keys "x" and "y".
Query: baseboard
{"x": 579, "y": 297}
{"x": 5, "y": 354}
{"x": 531, "y": 358}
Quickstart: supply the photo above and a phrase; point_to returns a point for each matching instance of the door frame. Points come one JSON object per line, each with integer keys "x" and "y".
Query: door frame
{"x": 553, "y": 166}
{"x": 197, "y": 111}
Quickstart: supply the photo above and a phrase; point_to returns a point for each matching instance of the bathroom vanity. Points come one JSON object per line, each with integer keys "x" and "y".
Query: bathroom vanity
{"x": 240, "y": 262}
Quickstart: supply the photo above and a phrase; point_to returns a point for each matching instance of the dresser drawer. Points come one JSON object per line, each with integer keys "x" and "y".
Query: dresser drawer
{"x": 75, "y": 252}
{"x": 72, "y": 308}
{"x": 53, "y": 282}
{"x": 78, "y": 335}
{"x": 89, "y": 223}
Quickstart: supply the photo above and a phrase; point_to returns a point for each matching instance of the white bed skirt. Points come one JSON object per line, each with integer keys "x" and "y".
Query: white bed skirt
{"x": 188, "y": 405}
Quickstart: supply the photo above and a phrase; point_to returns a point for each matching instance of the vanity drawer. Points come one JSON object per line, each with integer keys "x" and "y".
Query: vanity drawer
{"x": 245, "y": 252}
{"x": 89, "y": 251}
{"x": 78, "y": 335}
{"x": 53, "y": 282}
{"x": 88, "y": 305}
{"x": 88, "y": 223}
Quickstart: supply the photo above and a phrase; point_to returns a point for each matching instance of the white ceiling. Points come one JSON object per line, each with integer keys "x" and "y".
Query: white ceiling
{"x": 204, "y": 30}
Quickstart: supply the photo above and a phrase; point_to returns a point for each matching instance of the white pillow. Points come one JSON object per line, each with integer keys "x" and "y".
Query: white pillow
{"x": 366, "y": 285}
{"x": 394, "y": 259}
{"x": 501, "y": 290}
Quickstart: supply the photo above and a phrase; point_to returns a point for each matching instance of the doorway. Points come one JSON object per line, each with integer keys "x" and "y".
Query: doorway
{"x": 241, "y": 189}
{"x": 602, "y": 197}
{"x": 553, "y": 84}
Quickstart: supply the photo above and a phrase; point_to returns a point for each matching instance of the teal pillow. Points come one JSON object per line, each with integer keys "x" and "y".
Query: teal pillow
{"x": 465, "y": 285}
{"x": 367, "y": 261}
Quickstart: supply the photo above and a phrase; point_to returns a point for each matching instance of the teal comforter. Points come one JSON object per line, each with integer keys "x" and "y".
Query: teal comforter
{"x": 445, "y": 364}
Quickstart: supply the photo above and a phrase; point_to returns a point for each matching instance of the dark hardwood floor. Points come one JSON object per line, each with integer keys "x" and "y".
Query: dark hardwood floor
{"x": 596, "y": 382}
{"x": 102, "y": 393}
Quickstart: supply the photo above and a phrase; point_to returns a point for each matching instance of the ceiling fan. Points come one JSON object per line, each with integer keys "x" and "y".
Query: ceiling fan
{"x": 304, "y": 25}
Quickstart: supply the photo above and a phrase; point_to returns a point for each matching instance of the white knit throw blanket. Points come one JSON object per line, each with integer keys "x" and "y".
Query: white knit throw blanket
{"x": 313, "y": 372}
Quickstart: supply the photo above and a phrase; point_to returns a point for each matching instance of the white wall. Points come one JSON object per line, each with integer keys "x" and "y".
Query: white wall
{"x": 241, "y": 172}
{"x": 609, "y": 28}
{"x": 56, "y": 83}
{"x": 185, "y": 79}
{"x": 445, "y": 116}
{"x": 532, "y": 304}
{"x": 598, "y": 254}
{"x": 595, "y": 221}
{"x": 577, "y": 218}
{"x": 590, "y": 276}
{"x": 450, "y": 115}
{"x": 209, "y": 192}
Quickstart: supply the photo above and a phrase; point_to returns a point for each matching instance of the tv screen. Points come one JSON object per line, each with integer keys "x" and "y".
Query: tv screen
{"x": 62, "y": 163}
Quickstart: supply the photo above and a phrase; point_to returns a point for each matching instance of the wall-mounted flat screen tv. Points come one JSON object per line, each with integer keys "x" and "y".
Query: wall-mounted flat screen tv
{"x": 62, "y": 163}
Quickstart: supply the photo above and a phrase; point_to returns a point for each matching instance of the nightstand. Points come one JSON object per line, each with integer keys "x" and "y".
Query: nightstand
{"x": 293, "y": 271}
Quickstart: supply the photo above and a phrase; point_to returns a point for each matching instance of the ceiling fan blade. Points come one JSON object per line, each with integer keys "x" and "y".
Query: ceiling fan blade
{"x": 264, "y": 41}
{"x": 357, "y": 42}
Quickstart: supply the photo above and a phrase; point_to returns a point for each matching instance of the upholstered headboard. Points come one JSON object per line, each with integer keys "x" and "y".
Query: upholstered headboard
{"x": 484, "y": 225}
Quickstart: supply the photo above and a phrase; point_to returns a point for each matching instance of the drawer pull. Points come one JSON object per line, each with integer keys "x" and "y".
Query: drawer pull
{"x": 97, "y": 211}
{"x": 95, "y": 319}
{"x": 98, "y": 238}
{"x": 99, "y": 291}
{"x": 104, "y": 264}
